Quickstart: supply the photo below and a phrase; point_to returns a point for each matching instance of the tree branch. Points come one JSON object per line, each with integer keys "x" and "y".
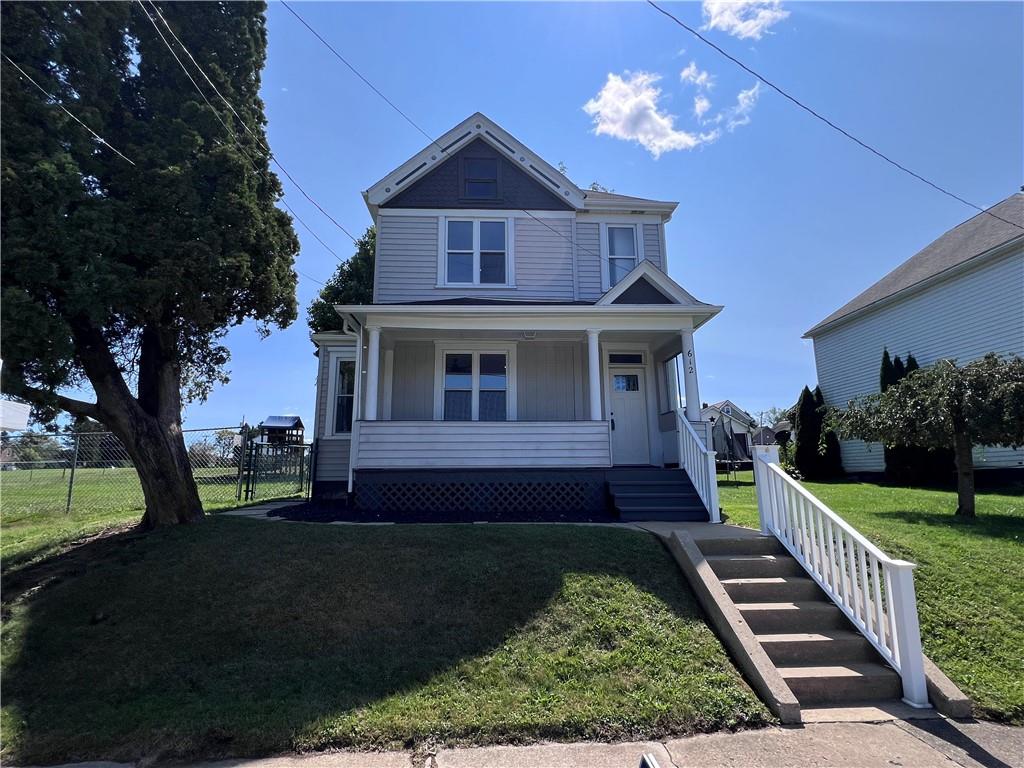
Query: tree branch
{"x": 71, "y": 405}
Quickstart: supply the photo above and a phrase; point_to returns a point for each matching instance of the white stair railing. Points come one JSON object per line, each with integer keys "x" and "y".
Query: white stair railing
{"x": 875, "y": 591}
{"x": 699, "y": 462}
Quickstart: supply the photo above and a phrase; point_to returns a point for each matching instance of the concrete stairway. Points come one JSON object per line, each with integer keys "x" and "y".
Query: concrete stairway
{"x": 653, "y": 493}
{"x": 823, "y": 660}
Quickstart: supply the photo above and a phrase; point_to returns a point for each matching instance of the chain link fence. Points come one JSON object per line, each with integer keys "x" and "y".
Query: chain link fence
{"x": 65, "y": 472}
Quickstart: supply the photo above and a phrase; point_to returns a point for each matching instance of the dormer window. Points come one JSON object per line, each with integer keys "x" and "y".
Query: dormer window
{"x": 480, "y": 178}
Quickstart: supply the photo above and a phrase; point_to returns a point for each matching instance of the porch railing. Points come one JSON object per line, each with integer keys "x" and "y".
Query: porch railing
{"x": 875, "y": 591}
{"x": 699, "y": 462}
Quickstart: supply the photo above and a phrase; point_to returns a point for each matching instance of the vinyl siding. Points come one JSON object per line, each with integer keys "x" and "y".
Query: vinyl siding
{"x": 412, "y": 389}
{"x": 588, "y": 260}
{"x": 332, "y": 454}
{"x": 332, "y": 459}
{"x": 965, "y": 317}
{"x": 552, "y": 381}
{"x": 652, "y": 245}
{"x": 385, "y": 444}
{"x": 406, "y": 267}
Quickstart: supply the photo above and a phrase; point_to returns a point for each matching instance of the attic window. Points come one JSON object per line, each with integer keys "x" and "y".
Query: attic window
{"x": 480, "y": 178}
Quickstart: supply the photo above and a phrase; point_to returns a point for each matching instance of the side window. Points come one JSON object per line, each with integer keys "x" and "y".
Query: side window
{"x": 621, "y": 252}
{"x": 344, "y": 396}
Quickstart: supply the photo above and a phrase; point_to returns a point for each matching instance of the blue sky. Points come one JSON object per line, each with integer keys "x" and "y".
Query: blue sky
{"x": 779, "y": 219}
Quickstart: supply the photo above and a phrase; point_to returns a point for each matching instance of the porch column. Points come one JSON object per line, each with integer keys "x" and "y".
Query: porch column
{"x": 690, "y": 389}
{"x": 594, "y": 369}
{"x": 372, "y": 373}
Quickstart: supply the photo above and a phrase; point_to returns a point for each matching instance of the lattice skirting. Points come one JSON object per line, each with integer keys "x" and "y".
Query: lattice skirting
{"x": 481, "y": 491}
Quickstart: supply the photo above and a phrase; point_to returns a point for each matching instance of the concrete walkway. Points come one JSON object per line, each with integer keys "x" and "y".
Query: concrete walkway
{"x": 910, "y": 744}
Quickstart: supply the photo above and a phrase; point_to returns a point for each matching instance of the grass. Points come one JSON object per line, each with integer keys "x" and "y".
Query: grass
{"x": 969, "y": 580}
{"x": 237, "y": 637}
{"x": 33, "y": 502}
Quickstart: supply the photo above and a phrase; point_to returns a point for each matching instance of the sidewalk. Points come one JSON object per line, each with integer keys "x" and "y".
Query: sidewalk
{"x": 936, "y": 743}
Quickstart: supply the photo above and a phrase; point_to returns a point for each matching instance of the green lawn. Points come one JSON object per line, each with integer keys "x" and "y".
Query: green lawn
{"x": 236, "y": 637}
{"x": 969, "y": 580}
{"x": 33, "y": 503}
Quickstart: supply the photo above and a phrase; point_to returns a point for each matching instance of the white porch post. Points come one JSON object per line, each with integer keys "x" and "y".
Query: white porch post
{"x": 690, "y": 389}
{"x": 594, "y": 369}
{"x": 372, "y": 373}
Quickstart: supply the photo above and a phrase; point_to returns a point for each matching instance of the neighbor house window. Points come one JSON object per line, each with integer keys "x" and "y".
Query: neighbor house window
{"x": 476, "y": 386}
{"x": 621, "y": 252}
{"x": 476, "y": 252}
{"x": 344, "y": 396}
{"x": 480, "y": 179}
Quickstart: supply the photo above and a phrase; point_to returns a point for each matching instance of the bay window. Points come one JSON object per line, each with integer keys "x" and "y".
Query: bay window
{"x": 476, "y": 252}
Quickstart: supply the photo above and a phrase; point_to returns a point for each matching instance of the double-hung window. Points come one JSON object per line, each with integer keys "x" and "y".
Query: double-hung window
{"x": 344, "y": 396}
{"x": 475, "y": 386}
{"x": 622, "y": 252}
{"x": 481, "y": 179}
{"x": 476, "y": 252}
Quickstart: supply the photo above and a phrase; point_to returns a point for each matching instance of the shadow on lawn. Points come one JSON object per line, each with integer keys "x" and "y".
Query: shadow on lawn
{"x": 987, "y": 525}
{"x": 229, "y": 638}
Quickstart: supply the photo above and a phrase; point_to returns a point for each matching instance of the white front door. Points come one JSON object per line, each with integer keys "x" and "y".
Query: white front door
{"x": 629, "y": 416}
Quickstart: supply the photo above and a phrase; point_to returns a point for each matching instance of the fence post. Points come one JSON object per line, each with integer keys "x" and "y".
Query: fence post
{"x": 908, "y": 634}
{"x": 763, "y": 456}
{"x": 241, "y": 460}
{"x": 71, "y": 480}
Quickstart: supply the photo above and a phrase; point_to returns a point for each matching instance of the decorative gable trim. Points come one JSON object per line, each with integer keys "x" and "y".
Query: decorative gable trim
{"x": 655, "y": 277}
{"x": 476, "y": 126}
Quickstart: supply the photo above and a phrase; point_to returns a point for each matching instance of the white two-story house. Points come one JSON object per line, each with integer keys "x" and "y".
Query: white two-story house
{"x": 521, "y": 348}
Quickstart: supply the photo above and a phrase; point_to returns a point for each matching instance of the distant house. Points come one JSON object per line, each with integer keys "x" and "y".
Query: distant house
{"x": 732, "y": 429}
{"x": 960, "y": 297}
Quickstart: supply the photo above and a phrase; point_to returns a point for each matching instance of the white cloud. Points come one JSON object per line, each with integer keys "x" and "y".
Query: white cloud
{"x": 701, "y": 104}
{"x": 627, "y": 108}
{"x": 743, "y": 18}
{"x": 745, "y": 102}
{"x": 698, "y": 77}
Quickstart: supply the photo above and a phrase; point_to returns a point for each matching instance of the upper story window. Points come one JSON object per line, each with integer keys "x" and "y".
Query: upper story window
{"x": 476, "y": 252}
{"x": 622, "y": 252}
{"x": 481, "y": 178}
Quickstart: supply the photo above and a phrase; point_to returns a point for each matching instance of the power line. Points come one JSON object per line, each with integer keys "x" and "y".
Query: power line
{"x": 234, "y": 112}
{"x": 819, "y": 116}
{"x": 416, "y": 125}
{"x": 99, "y": 138}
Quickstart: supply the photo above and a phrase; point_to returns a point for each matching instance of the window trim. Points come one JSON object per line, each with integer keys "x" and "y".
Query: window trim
{"x": 464, "y": 177}
{"x": 638, "y": 240}
{"x": 475, "y": 348}
{"x": 442, "y": 252}
{"x": 334, "y": 357}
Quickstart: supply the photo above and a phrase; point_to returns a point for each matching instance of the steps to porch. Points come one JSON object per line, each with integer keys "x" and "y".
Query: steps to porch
{"x": 823, "y": 660}
{"x": 653, "y": 493}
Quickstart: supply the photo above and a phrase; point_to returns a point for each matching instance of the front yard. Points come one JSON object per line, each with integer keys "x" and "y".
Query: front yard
{"x": 969, "y": 580}
{"x": 239, "y": 637}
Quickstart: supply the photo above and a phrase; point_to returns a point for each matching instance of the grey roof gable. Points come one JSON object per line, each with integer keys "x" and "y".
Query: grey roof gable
{"x": 976, "y": 236}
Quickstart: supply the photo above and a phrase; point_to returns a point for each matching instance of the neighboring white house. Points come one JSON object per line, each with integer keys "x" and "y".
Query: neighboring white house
{"x": 960, "y": 297}
{"x": 520, "y": 324}
{"x": 735, "y": 423}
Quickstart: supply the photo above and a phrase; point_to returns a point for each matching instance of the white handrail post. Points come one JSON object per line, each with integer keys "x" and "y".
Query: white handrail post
{"x": 713, "y": 509}
{"x": 908, "y": 634}
{"x": 763, "y": 456}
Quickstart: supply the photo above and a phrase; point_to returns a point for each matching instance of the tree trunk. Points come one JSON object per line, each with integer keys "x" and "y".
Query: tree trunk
{"x": 161, "y": 459}
{"x": 964, "y": 475}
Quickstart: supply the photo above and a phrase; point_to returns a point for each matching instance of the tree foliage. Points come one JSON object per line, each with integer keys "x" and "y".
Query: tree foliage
{"x": 352, "y": 283}
{"x": 815, "y": 450}
{"x": 944, "y": 406}
{"x": 123, "y": 277}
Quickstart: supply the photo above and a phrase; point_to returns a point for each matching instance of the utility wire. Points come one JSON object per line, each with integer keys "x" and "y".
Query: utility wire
{"x": 416, "y": 125}
{"x": 48, "y": 95}
{"x": 824, "y": 119}
{"x": 249, "y": 130}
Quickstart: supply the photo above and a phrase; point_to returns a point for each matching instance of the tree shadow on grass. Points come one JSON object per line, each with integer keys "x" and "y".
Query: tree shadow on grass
{"x": 987, "y": 525}
{"x": 240, "y": 638}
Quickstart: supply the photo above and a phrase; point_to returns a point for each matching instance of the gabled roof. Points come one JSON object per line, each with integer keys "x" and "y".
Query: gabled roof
{"x": 976, "y": 237}
{"x": 282, "y": 422}
{"x": 646, "y": 271}
{"x": 610, "y": 201}
{"x": 476, "y": 126}
{"x": 736, "y": 410}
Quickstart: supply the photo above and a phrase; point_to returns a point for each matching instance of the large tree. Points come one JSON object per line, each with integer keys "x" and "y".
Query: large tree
{"x": 121, "y": 276}
{"x": 945, "y": 406}
{"x": 352, "y": 283}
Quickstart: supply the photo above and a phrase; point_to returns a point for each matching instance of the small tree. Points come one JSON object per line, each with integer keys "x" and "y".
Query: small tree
{"x": 945, "y": 406}
{"x": 352, "y": 283}
{"x": 831, "y": 459}
{"x": 807, "y": 435}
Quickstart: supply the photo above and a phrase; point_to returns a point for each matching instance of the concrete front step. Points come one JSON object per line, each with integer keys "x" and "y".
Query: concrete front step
{"x": 753, "y": 566}
{"x": 842, "y": 684}
{"x": 676, "y": 514}
{"x": 806, "y": 616}
{"x": 828, "y": 646}
{"x": 772, "y": 589}
{"x": 657, "y": 500}
{"x": 749, "y": 545}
